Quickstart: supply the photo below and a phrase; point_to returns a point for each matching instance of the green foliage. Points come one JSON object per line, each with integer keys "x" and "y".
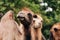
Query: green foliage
{"x": 49, "y": 18}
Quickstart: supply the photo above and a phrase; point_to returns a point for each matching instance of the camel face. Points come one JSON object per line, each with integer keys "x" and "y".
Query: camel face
{"x": 36, "y": 28}
{"x": 37, "y": 21}
{"x": 25, "y": 17}
{"x": 55, "y": 31}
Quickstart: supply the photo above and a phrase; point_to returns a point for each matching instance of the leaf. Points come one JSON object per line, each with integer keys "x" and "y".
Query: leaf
{"x": 3, "y": 8}
{"x": 1, "y": 3}
{"x": 12, "y": 5}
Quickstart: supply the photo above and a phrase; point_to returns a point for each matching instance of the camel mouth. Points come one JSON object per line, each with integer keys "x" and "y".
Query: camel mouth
{"x": 21, "y": 18}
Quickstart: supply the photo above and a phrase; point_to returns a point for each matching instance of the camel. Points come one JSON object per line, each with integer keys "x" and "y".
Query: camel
{"x": 25, "y": 17}
{"x": 9, "y": 27}
{"x": 36, "y": 28}
{"x": 55, "y": 32}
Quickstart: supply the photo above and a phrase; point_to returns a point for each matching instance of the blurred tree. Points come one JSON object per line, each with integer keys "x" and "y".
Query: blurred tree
{"x": 50, "y": 17}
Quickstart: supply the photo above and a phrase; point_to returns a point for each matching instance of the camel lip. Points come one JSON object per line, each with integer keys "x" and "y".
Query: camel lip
{"x": 21, "y": 18}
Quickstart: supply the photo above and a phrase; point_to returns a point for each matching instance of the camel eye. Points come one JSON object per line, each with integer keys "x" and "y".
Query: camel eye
{"x": 55, "y": 29}
{"x": 35, "y": 16}
{"x": 29, "y": 14}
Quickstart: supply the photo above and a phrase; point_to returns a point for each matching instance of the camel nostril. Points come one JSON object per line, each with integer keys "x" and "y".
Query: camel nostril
{"x": 55, "y": 29}
{"x": 33, "y": 20}
{"x": 40, "y": 23}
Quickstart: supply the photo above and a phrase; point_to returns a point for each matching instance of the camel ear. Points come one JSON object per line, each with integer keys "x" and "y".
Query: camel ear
{"x": 51, "y": 36}
{"x": 1, "y": 14}
{"x": 35, "y": 16}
